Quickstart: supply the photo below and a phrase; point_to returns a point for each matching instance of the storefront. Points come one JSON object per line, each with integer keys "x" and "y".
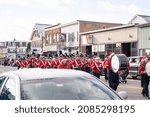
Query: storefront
{"x": 120, "y": 39}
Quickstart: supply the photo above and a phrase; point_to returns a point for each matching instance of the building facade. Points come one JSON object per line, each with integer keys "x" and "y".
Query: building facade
{"x": 37, "y": 37}
{"x": 120, "y": 39}
{"x": 131, "y": 39}
{"x": 92, "y": 37}
{"x": 144, "y": 39}
{"x": 72, "y": 33}
{"x": 14, "y": 49}
{"x": 3, "y": 51}
{"x": 52, "y": 39}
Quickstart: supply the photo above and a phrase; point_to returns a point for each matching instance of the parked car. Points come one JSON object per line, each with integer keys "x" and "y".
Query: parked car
{"x": 134, "y": 66}
{"x": 54, "y": 84}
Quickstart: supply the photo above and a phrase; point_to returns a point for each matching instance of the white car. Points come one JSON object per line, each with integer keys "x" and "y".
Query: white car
{"x": 53, "y": 84}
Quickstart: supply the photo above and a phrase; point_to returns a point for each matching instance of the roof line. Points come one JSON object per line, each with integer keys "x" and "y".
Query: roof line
{"x": 53, "y": 26}
{"x": 111, "y": 28}
{"x": 140, "y": 16}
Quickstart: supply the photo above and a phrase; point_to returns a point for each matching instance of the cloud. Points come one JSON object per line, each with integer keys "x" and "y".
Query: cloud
{"x": 18, "y": 16}
{"x": 106, "y": 5}
{"x": 57, "y": 5}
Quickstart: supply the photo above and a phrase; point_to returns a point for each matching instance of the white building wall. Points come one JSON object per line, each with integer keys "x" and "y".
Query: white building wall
{"x": 71, "y": 29}
{"x": 114, "y": 36}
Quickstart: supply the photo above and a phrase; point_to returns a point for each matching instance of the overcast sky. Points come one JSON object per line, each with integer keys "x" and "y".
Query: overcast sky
{"x": 17, "y": 17}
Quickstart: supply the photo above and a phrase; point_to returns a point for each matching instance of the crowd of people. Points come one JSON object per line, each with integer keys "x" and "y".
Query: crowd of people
{"x": 93, "y": 65}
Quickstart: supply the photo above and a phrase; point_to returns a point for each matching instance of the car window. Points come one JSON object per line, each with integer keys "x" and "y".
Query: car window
{"x": 9, "y": 90}
{"x": 1, "y": 81}
{"x": 66, "y": 89}
{"x": 134, "y": 60}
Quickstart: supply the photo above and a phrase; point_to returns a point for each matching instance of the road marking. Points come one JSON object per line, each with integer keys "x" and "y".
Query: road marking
{"x": 129, "y": 87}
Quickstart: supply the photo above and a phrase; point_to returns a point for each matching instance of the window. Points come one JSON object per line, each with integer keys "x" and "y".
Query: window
{"x": 1, "y": 81}
{"x": 66, "y": 89}
{"x": 134, "y": 60}
{"x": 23, "y": 44}
{"x": 71, "y": 37}
{"x": 17, "y": 44}
{"x": 7, "y": 43}
{"x": 9, "y": 90}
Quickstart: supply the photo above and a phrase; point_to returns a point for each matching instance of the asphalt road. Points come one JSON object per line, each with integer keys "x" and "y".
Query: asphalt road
{"x": 6, "y": 68}
{"x": 132, "y": 87}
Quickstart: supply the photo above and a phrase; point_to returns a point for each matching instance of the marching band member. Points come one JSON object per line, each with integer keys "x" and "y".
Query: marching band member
{"x": 96, "y": 67}
{"x": 48, "y": 63}
{"x": 70, "y": 62}
{"x": 144, "y": 77}
{"x": 76, "y": 64}
{"x": 18, "y": 63}
{"x": 32, "y": 59}
{"x": 25, "y": 63}
{"x": 64, "y": 64}
{"x": 42, "y": 62}
{"x": 83, "y": 64}
{"x": 29, "y": 61}
{"x": 55, "y": 63}
{"x": 113, "y": 78}
{"x": 36, "y": 63}
{"x": 87, "y": 66}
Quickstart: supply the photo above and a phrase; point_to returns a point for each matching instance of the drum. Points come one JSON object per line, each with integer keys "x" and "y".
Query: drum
{"x": 119, "y": 62}
{"x": 147, "y": 68}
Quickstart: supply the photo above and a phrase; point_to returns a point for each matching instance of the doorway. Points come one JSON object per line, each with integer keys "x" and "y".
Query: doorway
{"x": 126, "y": 49}
{"x": 89, "y": 50}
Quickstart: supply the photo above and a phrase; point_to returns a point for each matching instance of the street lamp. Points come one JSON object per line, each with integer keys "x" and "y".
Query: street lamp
{"x": 15, "y": 47}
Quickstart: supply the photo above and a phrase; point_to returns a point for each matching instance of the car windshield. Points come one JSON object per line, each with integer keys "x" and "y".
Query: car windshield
{"x": 66, "y": 89}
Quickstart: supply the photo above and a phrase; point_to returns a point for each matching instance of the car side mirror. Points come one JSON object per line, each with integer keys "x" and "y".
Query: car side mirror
{"x": 123, "y": 94}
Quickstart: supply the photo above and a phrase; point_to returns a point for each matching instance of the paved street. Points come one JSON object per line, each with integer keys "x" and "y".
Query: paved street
{"x": 133, "y": 89}
{"x": 6, "y": 68}
{"x": 132, "y": 86}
